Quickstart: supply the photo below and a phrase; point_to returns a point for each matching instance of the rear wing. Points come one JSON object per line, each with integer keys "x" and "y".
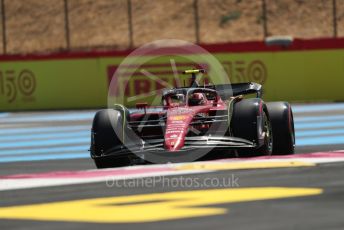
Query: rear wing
{"x": 228, "y": 90}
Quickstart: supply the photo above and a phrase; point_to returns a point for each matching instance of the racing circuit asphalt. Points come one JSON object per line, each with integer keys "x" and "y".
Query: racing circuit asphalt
{"x": 61, "y": 139}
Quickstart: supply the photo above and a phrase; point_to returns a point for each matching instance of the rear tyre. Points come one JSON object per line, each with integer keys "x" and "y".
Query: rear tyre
{"x": 251, "y": 121}
{"x": 282, "y": 122}
{"x": 108, "y": 132}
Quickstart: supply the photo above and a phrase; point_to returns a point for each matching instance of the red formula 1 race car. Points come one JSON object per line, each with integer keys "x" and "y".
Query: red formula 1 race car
{"x": 193, "y": 122}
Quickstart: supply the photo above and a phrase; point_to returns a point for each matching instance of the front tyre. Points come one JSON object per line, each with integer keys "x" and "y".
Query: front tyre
{"x": 108, "y": 132}
{"x": 251, "y": 121}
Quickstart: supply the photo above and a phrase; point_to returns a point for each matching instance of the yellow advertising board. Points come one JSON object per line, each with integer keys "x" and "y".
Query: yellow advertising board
{"x": 55, "y": 84}
{"x": 74, "y": 83}
{"x": 312, "y": 76}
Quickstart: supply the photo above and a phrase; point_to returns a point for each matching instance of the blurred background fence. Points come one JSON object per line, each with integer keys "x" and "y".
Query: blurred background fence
{"x": 38, "y": 26}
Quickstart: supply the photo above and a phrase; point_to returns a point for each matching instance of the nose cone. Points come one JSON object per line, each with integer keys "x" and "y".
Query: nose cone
{"x": 174, "y": 144}
{"x": 176, "y": 130}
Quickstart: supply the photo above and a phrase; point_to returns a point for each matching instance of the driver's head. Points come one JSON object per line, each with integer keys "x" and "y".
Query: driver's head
{"x": 197, "y": 99}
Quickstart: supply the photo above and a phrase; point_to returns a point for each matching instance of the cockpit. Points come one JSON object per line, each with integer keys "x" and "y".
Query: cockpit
{"x": 196, "y": 99}
{"x": 184, "y": 98}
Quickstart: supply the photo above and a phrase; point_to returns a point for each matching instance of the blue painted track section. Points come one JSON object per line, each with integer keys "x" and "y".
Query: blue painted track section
{"x": 66, "y": 135}
{"x": 45, "y": 135}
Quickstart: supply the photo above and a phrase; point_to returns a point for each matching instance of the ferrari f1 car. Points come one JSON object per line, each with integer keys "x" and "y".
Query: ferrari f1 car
{"x": 219, "y": 118}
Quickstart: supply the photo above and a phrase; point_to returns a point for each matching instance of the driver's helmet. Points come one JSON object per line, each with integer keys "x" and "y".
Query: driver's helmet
{"x": 197, "y": 99}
